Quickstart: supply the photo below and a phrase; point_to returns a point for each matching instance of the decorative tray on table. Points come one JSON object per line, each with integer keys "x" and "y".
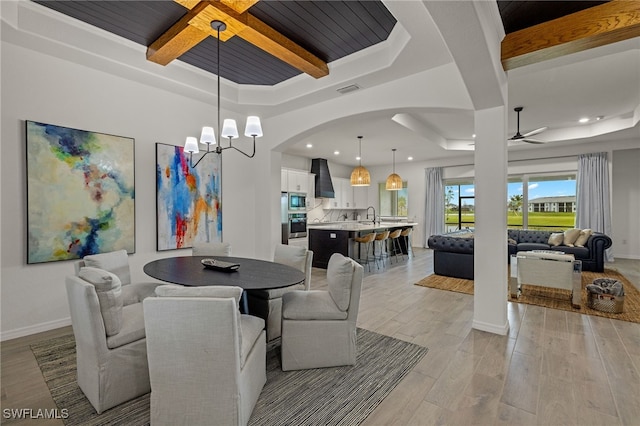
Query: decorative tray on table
{"x": 220, "y": 265}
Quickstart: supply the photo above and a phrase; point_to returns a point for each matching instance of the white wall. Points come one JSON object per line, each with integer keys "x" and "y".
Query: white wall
{"x": 626, "y": 203}
{"x": 44, "y": 88}
{"x": 130, "y": 97}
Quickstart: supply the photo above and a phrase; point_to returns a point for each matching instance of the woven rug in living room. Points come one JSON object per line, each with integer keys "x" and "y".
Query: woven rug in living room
{"x": 321, "y": 396}
{"x": 553, "y": 298}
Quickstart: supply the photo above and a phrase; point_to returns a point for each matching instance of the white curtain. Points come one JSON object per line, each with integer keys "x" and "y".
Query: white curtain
{"x": 434, "y": 203}
{"x": 593, "y": 205}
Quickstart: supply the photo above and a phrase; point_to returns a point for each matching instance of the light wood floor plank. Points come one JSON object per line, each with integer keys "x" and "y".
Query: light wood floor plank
{"x": 553, "y": 367}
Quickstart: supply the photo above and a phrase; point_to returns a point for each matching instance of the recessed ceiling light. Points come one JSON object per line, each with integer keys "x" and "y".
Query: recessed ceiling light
{"x": 336, "y": 152}
{"x": 309, "y": 145}
{"x": 583, "y": 120}
{"x": 358, "y": 158}
{"x": 409, "y": 158}
{"x": 600, "y": 117}
{"x": 473, "y": 135}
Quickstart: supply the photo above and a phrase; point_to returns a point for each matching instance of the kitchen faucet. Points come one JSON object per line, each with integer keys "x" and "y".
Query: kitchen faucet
{"x": 374, "y": 213}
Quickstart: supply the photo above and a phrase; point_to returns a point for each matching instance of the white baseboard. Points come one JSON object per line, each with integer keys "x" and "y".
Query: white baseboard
{"x": 491, "y": 328}
{"x": 33, "y": 329}
{"x": 625, "y": 256}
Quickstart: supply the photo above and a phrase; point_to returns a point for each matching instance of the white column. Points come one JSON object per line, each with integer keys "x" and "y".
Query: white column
{"x": 490, "y": 245}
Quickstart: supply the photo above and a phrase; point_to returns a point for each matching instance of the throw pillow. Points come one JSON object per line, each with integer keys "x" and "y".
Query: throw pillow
{"x": 570, "y": 236}
{"x": 339, "y": 276}
{"x": 109, "y": 290}
{"x": 512, "y": 241}
{"x": 583, "y": 237}
{"x": 556, "y": 238}
{"x": 115, "y": 262}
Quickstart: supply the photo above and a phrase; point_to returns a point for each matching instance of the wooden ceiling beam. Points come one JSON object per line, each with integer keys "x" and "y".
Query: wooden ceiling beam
{"x": 195, "y": 26}
{"x": 607, "y": 23}
{"x": 237, "y": 5}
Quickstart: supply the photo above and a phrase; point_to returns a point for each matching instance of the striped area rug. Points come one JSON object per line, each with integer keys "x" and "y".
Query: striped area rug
{"x": 552, "y": 297}
{"x": 324, "y": 396}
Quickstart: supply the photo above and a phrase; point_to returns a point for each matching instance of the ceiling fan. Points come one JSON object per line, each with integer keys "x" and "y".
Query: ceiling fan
{"x": 518, "y": 137}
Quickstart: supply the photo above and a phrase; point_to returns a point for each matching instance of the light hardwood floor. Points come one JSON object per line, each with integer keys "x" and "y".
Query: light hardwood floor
{"x": 553, "y": 367}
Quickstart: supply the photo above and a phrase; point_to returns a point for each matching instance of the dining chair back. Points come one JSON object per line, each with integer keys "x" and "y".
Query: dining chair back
{"x": 267, "y": 304}
{"x": 207, "y": 362}
{"x": 319, "y": 327}
{"x": 211, "y": 249}
{"x": 111, "y": 351}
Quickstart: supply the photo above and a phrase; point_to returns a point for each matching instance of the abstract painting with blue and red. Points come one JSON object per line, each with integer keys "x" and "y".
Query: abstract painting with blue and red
{"x": 188, "y": 201}
{"x": 80, "y": 193}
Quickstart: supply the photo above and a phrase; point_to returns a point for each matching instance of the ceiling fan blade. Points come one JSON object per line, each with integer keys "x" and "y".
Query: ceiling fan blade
{"x": 534, "y": 141}
{"x": 535, "y": 132}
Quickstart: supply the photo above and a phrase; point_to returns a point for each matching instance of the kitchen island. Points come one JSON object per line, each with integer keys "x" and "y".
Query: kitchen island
{"x": 337, "y": 237}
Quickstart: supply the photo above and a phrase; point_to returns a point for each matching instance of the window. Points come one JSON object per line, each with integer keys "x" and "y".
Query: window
{"x": 393, "y": 203}
{"x": 551, "y": 201}
{"x": 459, "y": 205}
{"x": 533, "y": 202}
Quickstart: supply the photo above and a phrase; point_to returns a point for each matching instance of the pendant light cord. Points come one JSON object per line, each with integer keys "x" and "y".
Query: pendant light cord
{"x": 218, "y": 65}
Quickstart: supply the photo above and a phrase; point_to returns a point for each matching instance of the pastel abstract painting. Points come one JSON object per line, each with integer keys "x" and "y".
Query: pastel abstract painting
{"x": 188, "y": 199}
{"x": 80, "y": 193}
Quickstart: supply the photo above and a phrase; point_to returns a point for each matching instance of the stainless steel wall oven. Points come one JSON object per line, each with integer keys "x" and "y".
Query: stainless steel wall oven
{"x": 297, "y": 225}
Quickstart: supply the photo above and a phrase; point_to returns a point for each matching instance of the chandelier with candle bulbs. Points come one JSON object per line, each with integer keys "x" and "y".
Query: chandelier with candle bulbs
{"x": 253, "y": 128}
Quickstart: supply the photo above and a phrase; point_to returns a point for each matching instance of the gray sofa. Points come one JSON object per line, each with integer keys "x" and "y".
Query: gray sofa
{"x": 453, "y": 252}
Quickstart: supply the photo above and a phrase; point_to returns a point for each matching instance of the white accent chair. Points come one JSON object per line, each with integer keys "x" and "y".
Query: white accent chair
{"x": 108, "y": 326}
{"x": 211, "y": 249}
{"x": 267, "y": 304}
{"x": 207, "y": 362}
{"x": 319, "y": 327}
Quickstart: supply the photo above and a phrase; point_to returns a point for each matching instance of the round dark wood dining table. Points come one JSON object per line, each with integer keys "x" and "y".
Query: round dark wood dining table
{"x": 253, "y": 274}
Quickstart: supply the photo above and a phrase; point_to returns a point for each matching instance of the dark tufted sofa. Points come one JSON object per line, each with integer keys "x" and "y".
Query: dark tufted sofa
{"x": 453, "y": 252}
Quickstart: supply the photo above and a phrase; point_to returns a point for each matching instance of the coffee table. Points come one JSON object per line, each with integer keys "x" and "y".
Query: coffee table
{"x": 253, "y": 274}
{"x": 547, "y": 269}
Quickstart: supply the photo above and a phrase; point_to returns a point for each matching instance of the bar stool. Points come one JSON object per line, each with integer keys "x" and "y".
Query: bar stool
{"x": 406, "y": 233}
{"x": 395, "y": 243}
{"x": 367, "y": 240}
{"x": 381, "y": 237}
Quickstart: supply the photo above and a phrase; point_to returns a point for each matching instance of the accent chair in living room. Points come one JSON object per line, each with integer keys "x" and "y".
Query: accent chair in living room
{"x": 319, "y": 327}
{"x": 207, "y": 362}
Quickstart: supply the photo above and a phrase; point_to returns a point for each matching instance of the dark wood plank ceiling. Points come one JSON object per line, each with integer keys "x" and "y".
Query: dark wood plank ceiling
{"x": 329, "y": 29}
{"x": 518, "y": 14}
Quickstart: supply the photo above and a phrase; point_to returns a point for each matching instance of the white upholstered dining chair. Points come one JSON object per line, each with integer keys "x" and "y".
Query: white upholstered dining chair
{"x": 319, "y": 327}
{"x": 207, "y": 362}
{"x": 211, "y": 249}
{"x": 108, "y": 326}
{"x": 267, "y": 304}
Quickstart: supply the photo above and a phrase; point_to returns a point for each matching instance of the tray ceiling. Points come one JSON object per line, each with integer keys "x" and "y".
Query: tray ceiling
{"x": 328, "y": 29}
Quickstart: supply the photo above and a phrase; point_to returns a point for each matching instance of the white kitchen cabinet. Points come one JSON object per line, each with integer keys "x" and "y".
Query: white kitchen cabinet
{"x": 360, "y": 197}
{"x": 336, "y": 202}
{"x": 298, "y": 181}
{"x": 347, "y": 194}
{"x": 344, "y": 195}
{"x": 311, "y": 191}
{"x": 294, "y": 181}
